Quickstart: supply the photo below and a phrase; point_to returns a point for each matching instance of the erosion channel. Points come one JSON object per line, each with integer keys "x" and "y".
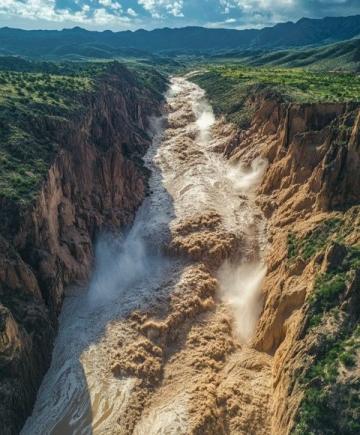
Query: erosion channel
{"x": 159, "y": 341}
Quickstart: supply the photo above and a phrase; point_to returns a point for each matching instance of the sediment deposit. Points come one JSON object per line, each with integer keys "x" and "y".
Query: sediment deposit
{"x": 196, "y": 321}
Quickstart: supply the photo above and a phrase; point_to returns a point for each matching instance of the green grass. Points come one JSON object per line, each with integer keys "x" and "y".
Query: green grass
{"x": 331, "y": 402}
{"x": 341, "y": 56}
{"x": 313, "y": 242}
{"x": 148, "y": 78}
{"x": 31, "y": 105}
{"x": 330, "y": 405}
{"x": 327, "y": 290}
{"x": 329, "y": 287}
{"x": 41, "y": 90}
{"x": 228, "y": 87}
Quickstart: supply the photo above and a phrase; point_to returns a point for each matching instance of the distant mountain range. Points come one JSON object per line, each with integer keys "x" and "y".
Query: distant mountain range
{"x": 80, "y": 43}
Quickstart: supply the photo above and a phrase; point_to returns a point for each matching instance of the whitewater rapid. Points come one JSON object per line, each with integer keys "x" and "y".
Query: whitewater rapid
{"x": 134, "y": 272}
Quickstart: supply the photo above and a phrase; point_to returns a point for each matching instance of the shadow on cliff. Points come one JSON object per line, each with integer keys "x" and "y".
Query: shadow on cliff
{"x": 130, "y": 272}
{"x": 78, "y": 394}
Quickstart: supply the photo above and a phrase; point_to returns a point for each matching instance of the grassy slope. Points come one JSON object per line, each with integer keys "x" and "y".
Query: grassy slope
{"x": 31, "y": 104}
{"x": 331, "y": 392}
{"x": 229, "y": 85}
{"x": 331, "y": 401}
{"x": 342, "y": 56}
{"x": 34, "y": 103}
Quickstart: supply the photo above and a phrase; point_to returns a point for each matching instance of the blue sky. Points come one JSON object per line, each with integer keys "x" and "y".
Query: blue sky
{"x": 148, "y": 14}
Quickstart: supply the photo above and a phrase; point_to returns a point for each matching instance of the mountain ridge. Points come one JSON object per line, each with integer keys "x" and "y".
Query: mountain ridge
{"x": 192, "y": 39}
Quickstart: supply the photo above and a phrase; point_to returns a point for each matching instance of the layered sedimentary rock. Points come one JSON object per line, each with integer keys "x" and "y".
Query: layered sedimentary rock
{"x": 309, "y": 195}
{"x": 192, "y": 373}
{"x": 95, "y": 182}
{"x": 178, "y": 353}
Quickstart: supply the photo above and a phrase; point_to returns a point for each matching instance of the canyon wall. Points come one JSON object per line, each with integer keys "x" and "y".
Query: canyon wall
{"x": 299, "y": 374}
{"x": 309, "y": 324}
{"x": 95, "y": 182}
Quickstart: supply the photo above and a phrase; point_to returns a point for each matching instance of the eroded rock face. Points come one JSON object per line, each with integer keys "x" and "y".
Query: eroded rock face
{"x": 26, "y": 336}
{"x": 96, "y": 182}
{"x": 313, "y": 176}
{"x": 186, "y": 360}
{"x": 181, "y": 353}
{"x": 171, "y": 352}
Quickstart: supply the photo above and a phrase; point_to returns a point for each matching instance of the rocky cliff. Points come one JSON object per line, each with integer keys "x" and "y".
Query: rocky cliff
{"x": 193, "y": 372}
{"x": 309, "y": 325}
{"x": 300, "y": 372}
{"x": 95, "y": 182}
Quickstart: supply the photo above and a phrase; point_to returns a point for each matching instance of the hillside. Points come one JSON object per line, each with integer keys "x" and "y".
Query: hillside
{"x": 36, "y": 99}
{"x": 306, "y": 125}
{"x": 229, "y": 85}
{"x": 77, "y": 42}
{"x": 341, "y": 56}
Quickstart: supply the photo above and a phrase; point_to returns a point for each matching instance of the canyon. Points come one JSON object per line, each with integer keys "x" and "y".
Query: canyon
{"x": 95, "y": 182}
{"x": 183, "y": 254}
{"x": 311, "y": 184}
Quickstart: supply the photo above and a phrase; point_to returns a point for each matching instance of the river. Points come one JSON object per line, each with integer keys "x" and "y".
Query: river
{"x": 133, "y": 347}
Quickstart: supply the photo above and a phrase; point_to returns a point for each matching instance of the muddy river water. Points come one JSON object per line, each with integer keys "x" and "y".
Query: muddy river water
{"x": 172, "y": 304}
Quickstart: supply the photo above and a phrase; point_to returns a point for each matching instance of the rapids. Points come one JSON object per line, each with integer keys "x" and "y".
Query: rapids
{"x": 140, "y": 272}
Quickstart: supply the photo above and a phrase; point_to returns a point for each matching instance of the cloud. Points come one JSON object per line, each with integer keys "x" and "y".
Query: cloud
{"x": 132, "y": 14}
{"x": 111, "y": 5}
{"x": 272, "y": 11}
{"x": 108, "y": 13}
{"x": 41, "y": 9}
{"x": 160, "y": 8}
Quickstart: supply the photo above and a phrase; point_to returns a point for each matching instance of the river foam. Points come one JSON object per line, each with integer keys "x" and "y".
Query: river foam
{"x": 205, "y": 202}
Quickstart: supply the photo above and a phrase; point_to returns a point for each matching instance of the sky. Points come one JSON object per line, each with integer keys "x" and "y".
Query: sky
{"x": 119, "y": 15}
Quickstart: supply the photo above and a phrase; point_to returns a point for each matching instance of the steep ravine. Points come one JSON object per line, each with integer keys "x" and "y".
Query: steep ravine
{"x": 153, "y": 345}
{"x": 231, "y": 306}
{"x": 95, "y": 182}
{"x": 310, "y": 321}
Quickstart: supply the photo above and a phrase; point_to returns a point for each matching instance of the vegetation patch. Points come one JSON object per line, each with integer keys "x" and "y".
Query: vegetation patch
{"x": 32, "y": 106}
{"x": 315, "y": 241}
{"x": 329, "y": 287}
{"x": 341, "y": 56}
{"x": 148, "y": 78}
{"x": 331, "y": 402}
